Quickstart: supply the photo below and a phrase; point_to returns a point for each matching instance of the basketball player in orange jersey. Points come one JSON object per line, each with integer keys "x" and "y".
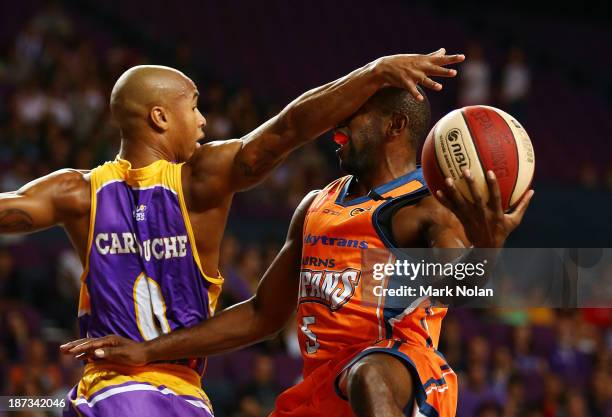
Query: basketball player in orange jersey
{"x": 148, "y": 226}
{"x": 383, "y": 360}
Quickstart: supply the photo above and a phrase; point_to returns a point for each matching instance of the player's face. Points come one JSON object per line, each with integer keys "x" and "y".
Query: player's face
{"x": 358, "y": 155}
{"x": 190, "y": 123}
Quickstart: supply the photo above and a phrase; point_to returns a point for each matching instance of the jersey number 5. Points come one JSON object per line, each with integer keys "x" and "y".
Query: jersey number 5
{"x": 311, "y": 339}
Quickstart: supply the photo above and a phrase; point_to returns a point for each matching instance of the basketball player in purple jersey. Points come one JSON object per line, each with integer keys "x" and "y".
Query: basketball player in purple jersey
{"x": 148, "y": 226}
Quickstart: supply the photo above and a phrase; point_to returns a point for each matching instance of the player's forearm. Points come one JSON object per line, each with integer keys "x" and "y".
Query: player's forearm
{"x": 14, "y": 214}
{"x": 236, "y": 327}
{"x": 304, "y": 119}
{"x": 320, "y": 109}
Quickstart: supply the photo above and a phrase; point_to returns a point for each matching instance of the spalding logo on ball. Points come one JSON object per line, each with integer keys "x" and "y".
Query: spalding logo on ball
{"x": 479, "y": 138}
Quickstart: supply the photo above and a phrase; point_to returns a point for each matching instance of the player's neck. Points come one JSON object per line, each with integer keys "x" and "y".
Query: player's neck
{"x": 140, "y": 153}
{"x": 385, "y": 172}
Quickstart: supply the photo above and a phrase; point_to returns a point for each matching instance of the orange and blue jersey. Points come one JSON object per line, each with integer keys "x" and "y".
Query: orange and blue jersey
{"x": 333, "y": 306}
{"x": 340, "y": 321}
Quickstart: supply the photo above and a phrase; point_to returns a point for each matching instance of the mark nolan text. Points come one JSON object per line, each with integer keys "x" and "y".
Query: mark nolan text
{"x": 430, "y": 291}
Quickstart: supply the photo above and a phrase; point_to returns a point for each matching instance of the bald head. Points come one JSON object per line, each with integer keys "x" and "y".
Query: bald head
{"x": 142, "y": 88}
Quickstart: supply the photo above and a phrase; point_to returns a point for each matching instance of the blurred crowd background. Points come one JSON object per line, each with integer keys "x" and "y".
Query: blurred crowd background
{"x": 549, "y": 68}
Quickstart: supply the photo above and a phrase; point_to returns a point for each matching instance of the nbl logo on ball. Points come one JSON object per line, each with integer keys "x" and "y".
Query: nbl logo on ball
{"x": 456, "y": 148}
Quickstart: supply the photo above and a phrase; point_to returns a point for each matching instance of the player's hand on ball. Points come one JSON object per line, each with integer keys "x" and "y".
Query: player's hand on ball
{"x": 485, "y": 223}
{"x": 409, "y": 70}
{"x": 110, "y": 348}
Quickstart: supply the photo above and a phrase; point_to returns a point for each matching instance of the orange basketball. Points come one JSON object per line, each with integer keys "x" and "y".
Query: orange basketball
{"x": 479, "y": 138}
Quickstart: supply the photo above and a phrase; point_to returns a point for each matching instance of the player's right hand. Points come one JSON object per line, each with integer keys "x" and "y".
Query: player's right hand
{"x": 409, "y": 70}
{"x": 110, "y": 348}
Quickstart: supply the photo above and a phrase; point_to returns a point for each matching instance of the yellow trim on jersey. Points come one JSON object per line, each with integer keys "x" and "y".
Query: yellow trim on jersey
{"x": 178, "y": 378}
{"x": 177, "y": 177}
{"x": 84, "y": 302}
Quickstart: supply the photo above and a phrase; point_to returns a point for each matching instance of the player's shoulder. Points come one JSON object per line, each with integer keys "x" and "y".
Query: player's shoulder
{"x": 213, "y": 154}
{"x": 427, "y": 210}
{"x": 77, "y": 189}
{"x": 411, "y": 221}
{"x": 299, "y": 215}
{"x": 302, "y": 208}
{"x": 69, "y": 188}
{"x": 308, "y": 199}
{"x": 205, "y": 175}
{"x": 66, "y": 179}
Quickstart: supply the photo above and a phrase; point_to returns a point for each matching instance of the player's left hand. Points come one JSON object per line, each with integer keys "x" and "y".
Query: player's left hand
{"x": 485, "y": 223}
{"x": 110, "y": 348}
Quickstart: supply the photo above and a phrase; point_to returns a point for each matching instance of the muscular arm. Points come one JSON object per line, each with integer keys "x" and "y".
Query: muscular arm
{"x": 238, "y": 326}
{"x": 239, "y": 164}
{"x": 304, "y": 119}
{"x": 44, "y": 202}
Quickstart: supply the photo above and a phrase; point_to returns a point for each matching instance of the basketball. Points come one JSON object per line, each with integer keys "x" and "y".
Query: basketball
{"x": 479, "y": 138}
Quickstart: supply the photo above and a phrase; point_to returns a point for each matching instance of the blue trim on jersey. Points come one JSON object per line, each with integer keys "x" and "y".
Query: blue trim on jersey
{"x": 432, "y": 381}
{"x": 416, "y": 195}
{"x": 417, "y": 174}
{"x": 388, "y": 314}
{"x": 428, "y": 340}
{"x": 419, "y": 390}
{"x": 443, "y": 367}
{"x": 411, "y": 196}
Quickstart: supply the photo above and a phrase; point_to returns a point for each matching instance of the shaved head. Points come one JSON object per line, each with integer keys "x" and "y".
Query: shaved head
{"x": 153, "y": 101}
{"x": 141, "y": 88}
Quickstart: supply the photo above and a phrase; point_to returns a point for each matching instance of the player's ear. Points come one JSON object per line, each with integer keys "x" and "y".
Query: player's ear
{"x": 159, "y": 118}
{"x": 396, "y": 125}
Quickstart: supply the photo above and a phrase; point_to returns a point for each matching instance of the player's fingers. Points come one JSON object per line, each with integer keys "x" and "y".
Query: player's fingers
{"x": 439, "y": 52}
{"x": 437, "y": 71}
{"x": 118, "y": 354}
{"x": 444, "y": 201}
{"x": 82, "y": 348}
{"x": 495, "y": 201}
{"x": 453, "y": 194}
{"x": 93, "y": 344}
{"x": 85, "y": 356}
{"x": 474, "y": 190}
{"x": 431, "y": 84}
{"x": 104, "y": 353}
{"x": 519, "y": 211}
{"x": 65, "y": 348}
{"x": 79, "y": 347}
{"x": 447, "y": 59}
{"x": 411, "y": 86}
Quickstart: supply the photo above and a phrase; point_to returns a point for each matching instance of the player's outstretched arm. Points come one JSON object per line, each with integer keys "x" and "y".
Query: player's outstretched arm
{"x": 313, "y": 113}
{"x": 44, "y": 202}
{"x": 238, "y": 326}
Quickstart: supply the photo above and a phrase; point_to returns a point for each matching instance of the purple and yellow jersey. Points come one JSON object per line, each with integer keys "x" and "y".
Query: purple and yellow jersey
{"x": 143, "y": 275}
{"x": 142, "y": 278}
